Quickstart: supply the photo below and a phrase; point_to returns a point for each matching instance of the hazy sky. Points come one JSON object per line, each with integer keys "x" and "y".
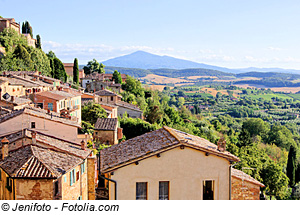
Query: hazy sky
{"x": 230, "y": 33}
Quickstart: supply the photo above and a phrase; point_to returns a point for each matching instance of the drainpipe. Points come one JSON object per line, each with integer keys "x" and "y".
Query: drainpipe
{"x": 101, "y": 176}
{"x": 230, "y": 167}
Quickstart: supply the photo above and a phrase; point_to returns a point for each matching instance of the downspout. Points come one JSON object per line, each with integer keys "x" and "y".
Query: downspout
{"x": 100, "y": 176}
{"x": 230, "y": 167}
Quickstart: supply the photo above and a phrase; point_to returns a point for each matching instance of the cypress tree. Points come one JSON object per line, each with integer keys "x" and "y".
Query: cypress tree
{"x": 291, "y": 165}
{"x": 38, "y": 42}
{"x": 75, "y": 72}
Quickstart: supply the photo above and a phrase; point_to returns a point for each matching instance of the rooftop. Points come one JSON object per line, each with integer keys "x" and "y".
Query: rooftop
{"x": 109, "y": 124}
{"x": 106, "y": 92}
{"x": 56, "y": 94}
{"x": 128, "y": 105}
{"x": 153, "y": 143}
{"x": 38, "y": 113}
{"x": 243, "y": 176}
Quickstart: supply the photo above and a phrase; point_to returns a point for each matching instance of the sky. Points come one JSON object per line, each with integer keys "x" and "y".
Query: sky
{"x": 228, "y": 33}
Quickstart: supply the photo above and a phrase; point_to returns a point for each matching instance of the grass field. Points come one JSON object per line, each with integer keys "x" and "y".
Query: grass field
{"x": 269, "y": 96}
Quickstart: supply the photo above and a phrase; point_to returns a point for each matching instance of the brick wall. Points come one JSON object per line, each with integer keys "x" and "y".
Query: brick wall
{"x": 244, "y": 190}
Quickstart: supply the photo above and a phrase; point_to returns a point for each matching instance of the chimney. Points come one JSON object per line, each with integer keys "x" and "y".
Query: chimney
{"x": 4, "y": 149}
{"x": 12, "y": 98}
{"x": 222, "y": 144}
{"x": 83, "y": 145}
{"x": 33, "y": 136}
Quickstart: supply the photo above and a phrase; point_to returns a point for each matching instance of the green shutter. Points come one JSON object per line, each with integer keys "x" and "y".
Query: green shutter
{"x": 71, "y": 173}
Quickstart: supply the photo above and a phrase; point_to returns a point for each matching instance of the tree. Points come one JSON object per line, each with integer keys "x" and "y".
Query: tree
{"x": 291, "y": 165}
{"x": 117, "y": 77}
{"x": 27, "y": 29}
{"x": 38, "y": 42}
{"x": 91, "y": 112}
{"x": 51, "y": 55}
{"x": 92, "y": 66}
{"x": 75, "y": 72}
{"x": 59, "y": 70}
{"x": 101, "y": 69}
{"x": 133, "y": 127}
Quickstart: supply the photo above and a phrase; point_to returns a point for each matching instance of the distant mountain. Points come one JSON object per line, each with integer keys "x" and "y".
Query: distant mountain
{"x": 145, "y": 60}
{"x": 254, "y": 69}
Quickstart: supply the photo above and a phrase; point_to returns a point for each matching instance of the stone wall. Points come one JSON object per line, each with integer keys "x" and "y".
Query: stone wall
{"x": 27, "y": 189}
{"x": 244, "y": 190}
{"x": 91, "y": 171}
{"x": 105, "y": 137}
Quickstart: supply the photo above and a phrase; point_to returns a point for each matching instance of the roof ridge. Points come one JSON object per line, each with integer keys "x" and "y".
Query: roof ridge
{"x": 40, "y": 160}
{"x": 168, "y": 129}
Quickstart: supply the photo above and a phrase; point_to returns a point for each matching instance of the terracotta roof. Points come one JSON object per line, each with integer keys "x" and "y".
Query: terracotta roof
{"x": 38, "y": 113}
{"x": 152, "y": 143}
{"x": 68, "y": 64}
{"x": 56, "y": 94}
{"x": 47, "y": 157}
{"x": 33, "y": 161}
{"x": 106, "y": 92}
{"x": 243, "y": 176}
{"x": 109, "y": 124}
{"x": 19, "y": 81}
{"x": 127, "y": 105}
{"x": 18, "y": 100}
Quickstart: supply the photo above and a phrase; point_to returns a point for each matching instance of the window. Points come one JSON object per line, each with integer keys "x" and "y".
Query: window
{"x": 9, "y": 184}
{"x": 50, "y": 106}
{"x": 79, "y": 198}
{"x": 111, "y": 98}
{"x": 40, "y": 105}
{"x": 82, "y": 168}
{"x": 77, "y": 175}
{"x": 208, "y": 190}
{"x": 72, "y": 177}
{"x": 55, "y": 188}
{"x": 163, "y": 190}
{"x": 65, "y": 179}
{"x": 141, "y": 191}
{"x": 32, "y": 124}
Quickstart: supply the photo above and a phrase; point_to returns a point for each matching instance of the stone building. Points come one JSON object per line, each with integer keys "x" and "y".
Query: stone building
{"x": 244, "y": 187}
{"x": 9, "y": 23}
{"x": 167, "y": 164}
{"x": 107, "y": 131}
{"x": 111, "y": 98}
{"x": 31, "y": 41}
{"x": 69, "y": 70}
{"x": 35, "y": 166}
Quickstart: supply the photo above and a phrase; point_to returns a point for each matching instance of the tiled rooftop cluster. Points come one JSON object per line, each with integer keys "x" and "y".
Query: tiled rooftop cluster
{"x": 47, "y": 157}
{"x": 106, "y": 124}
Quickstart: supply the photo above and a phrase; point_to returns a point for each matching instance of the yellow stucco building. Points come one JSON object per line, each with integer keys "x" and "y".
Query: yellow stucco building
{"x": 167, "y": 164}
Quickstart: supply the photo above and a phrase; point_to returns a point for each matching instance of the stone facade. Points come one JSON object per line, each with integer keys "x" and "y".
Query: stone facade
{"x": 79, "y": 189}
{"x": 9, "y": 23}
{"x": 105, "y": 137}
{"x": 244, "y": 190}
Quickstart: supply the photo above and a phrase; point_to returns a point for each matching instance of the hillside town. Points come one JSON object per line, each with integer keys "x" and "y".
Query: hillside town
{"x": 47, "y": 153}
